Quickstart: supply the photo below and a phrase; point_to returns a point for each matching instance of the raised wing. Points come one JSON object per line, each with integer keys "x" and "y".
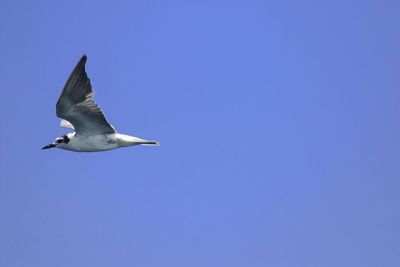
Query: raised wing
{"x": 76, "y": 104}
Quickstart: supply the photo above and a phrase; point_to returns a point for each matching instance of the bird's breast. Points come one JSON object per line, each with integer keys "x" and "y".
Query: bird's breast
{"x": 92, "y": 143}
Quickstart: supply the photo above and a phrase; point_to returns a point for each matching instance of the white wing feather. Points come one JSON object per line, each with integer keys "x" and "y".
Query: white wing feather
{"x": 66, "y": 124}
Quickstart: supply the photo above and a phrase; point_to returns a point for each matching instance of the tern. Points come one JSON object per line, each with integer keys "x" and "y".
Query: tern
{"x": 79, "y": 112}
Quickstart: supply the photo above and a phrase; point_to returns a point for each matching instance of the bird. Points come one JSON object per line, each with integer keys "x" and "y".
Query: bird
{"x": 78, "y": 111}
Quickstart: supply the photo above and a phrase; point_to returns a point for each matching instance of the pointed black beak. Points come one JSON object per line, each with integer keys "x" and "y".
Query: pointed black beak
{"x": 49, "y": 146}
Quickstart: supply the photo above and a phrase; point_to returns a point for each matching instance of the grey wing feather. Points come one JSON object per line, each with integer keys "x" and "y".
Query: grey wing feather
{"x": 76, "y": 104}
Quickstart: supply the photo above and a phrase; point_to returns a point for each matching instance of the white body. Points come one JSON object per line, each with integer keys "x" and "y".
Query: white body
{"x": 101, "y": 142}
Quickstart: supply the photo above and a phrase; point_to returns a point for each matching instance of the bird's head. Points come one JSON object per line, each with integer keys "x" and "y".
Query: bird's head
{"x": 60, "y": 141}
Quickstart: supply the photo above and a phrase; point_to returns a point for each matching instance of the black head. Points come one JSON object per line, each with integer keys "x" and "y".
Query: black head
{"x": 59, "y": 140}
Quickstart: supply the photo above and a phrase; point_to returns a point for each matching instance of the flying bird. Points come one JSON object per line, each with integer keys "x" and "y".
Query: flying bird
{"x": 79, "y": 112}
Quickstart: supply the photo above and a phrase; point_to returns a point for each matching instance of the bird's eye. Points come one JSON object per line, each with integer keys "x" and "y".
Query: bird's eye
{"x": 59, "y": 141}
{"x": 65, "y": 139}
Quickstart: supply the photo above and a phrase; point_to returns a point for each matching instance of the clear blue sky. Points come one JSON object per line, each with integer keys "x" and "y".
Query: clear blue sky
{"x": 279, "y": 124}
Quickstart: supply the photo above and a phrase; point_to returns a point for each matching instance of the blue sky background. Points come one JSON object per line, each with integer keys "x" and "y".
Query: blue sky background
{"x": 279, "y": 124}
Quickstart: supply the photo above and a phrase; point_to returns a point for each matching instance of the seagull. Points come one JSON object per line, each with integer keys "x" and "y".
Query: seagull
{"x": 79, "y": 112}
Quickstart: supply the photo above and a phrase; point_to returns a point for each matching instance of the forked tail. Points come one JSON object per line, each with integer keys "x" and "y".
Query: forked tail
{"x": 150, "y": 143}
{"x": 126, "y": 140}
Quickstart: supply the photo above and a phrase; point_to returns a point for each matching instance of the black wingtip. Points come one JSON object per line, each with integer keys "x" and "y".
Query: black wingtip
{"x": 83, "y": 59}
{"x": 81, "y": 64}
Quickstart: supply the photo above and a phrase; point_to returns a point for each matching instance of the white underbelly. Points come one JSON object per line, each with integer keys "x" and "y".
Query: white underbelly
{"x": 92, "y": 143}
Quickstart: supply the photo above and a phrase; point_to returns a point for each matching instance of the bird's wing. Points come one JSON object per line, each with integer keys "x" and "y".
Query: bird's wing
{"x": 66, "y": 124}
{"x": 76, "y": 104}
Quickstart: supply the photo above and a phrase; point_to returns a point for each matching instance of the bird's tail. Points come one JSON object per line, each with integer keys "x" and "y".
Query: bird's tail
{"x": 150, "y": 143}
{"x": 126, "y": 140}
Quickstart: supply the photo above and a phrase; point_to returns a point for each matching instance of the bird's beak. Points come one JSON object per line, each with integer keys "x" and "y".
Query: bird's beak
{"x": 49, "y": 146}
